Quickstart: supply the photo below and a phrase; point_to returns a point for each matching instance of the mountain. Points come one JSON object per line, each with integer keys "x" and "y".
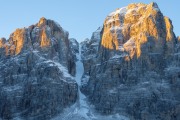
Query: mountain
{"x": 37, "y": 66}
{"x": 128, "y": 70}
{"x": 131, "y": 65}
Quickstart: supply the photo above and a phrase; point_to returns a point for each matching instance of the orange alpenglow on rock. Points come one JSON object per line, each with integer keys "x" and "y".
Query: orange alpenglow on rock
{"x": 39, "y": 36}
{"x": 137, "y": 24}
{"x": 17, "y": 41}
{"x": 42, "y": 21}
{"x": 45, "y": 42}
{"x": 2, "y": 42}
{"x": 178, "y": 38}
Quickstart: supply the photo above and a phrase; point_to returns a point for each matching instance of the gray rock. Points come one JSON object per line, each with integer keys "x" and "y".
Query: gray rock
{"x": 89, "y": 54}
{"x": 36, "y": 65}
{"x": 135, "y": 69}
{"x": 74, "y": 45}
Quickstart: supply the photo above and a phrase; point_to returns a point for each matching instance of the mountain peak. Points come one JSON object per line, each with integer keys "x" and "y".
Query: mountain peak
{"x": 42, "y": 35}
{"x": 154, "y": 4}
{"x": 42, "y": 21}
{"x": 137, "y": 50}
{"x": 40, "y": 54}
{"x": 135, "y": 7}
{"x": 136, "y": 22}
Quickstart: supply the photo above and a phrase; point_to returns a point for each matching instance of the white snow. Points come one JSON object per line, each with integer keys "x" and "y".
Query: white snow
{"x": 116, "y": 56}
{"x": 122, "y": 10}
{"x": 114, "y": 90}
{"x": 82, "y": 110}
{"x": 157, "y": 9}
{"x": 12, "y": 88}
{"x": 79, "y": 68}
{"x": 53, "y": 63}
{"x": 61, "y": 67}
{"x": 121, "y": 48}
{"x": 119, "y": 56}
{"x": 116, "y": 28}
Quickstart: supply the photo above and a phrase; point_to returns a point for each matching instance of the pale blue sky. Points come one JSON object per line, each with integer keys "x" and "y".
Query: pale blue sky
{"x": 79, "y": 17}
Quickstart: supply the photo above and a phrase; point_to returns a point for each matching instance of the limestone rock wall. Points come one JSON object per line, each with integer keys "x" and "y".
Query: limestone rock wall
{"x": 37, "y": 67}
{"x": 133, "y": 70}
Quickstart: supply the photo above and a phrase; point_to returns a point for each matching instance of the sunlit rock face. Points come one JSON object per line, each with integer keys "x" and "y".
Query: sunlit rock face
{"x": 137, "y": 24}
{"x": 178, "y": 38}
{"x": 37, "y": 67}
{"x": 2, "y": 42}
{"x": 134, "y": 68}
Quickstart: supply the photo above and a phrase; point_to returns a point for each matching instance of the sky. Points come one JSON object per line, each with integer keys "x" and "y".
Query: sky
{"x": 79, "y": 17}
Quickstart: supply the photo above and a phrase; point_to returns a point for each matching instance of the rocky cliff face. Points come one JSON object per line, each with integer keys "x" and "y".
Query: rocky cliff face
{"x": 132, "y": 68}
{"x": 135, "y": 25}
{"x": 89, "y": 53}
{"x": 37, "y": 67}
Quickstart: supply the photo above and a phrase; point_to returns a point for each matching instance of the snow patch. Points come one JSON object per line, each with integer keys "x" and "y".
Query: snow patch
{"x": 85, "y": 80}
{"x": 121, "y": 11}
{"x": 61, "y": 67}
{"x": 12, "y": 88}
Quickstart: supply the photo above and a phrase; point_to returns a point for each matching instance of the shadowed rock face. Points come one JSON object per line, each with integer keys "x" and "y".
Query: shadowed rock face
{"x": 36, "y": 65}
{"x": 133, "y": 67}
